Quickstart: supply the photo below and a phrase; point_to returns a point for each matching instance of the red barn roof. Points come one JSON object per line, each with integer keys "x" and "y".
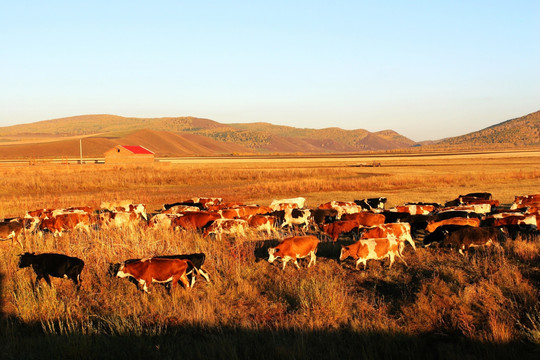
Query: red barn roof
{"x": 137, "y": 149}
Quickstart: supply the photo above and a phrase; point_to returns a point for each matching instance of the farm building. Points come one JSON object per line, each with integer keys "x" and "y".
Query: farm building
{"x": 129, "y": 154}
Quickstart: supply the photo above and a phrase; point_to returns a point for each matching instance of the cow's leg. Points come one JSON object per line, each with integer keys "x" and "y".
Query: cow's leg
{"x": 402, "y": 259}
{"x": 411, "y": 241}
{"x": 184, "y": 280}
{"x": 204, "y": 274}
{"x": 312, "y": 258}
{"x": 391, "y": 256}
{"x": 284, "y": 261}
{"x": 47, "y": 279}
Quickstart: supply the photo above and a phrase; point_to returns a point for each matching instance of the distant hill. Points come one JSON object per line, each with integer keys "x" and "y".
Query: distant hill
{"x": 521, "y": 131}
{"x": 183, "y": 136}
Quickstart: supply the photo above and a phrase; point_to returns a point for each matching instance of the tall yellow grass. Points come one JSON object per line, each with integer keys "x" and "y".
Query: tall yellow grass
{"x": 489, "y": 297}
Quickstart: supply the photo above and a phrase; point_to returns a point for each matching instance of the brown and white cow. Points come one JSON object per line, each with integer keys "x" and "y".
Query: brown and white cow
{"x": 366, "y": 249}
{"x": 262, "y": 223}
{"x": 433, "y": 225}
{"x": 342, "y": 207}
{"x": 415, "y": 209}
{"x": 11, "y": 229}
{"x": 365, "y": 218}
{"x": 526, "y": 201}
{"x": 120, "y": 220}
{"x": 195, "y": 220}
{"x": 401, "y": 231}
{"x": 335, "y": 229}
{"x": 294, "y": 248}
{"x": 57, "y": 224}
{"x": 220, "y": 227}
{"x": 178, "y": 209}
{"x": 160, "y": 270}
{"x": 294, "y": 203}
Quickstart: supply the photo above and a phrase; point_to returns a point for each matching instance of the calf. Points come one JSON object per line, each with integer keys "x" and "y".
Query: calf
{"x": 56, "y": 265}
{"x": 11, "y": 229}
{"x": 293, "y": 248}
{"x": 366, "y": 249}
{"x": 148, "y": 271}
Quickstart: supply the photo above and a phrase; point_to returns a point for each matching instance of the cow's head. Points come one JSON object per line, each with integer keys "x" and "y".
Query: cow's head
{"x": 273, "y": 254}
{"x": 345, "y": 252}
{"x": 113, "y": 269}
{"x": 26, "y": 259}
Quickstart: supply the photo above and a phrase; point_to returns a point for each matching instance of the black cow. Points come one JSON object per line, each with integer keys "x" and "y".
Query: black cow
{"x": 197, "y": 260}
{"x": 445, "y": 215}
{"x": 56, "y": 265}
{"x": 372, "y": 203}
{"x": 185, "y": 203}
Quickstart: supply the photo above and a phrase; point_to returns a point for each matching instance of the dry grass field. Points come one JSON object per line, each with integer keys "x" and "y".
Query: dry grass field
{"x": 443, "y": 305}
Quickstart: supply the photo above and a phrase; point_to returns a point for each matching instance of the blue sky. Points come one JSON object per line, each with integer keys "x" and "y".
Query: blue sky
{"x": 427, "y": 69}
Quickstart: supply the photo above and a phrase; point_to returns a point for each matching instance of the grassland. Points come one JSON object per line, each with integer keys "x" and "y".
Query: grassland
{"x": 441, "y": 306}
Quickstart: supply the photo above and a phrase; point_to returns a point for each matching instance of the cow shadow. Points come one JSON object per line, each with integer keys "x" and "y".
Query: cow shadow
{"x": 31, "y": 340}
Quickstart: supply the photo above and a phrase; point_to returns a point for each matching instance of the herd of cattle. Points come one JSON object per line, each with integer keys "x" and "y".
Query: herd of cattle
{"x": 470, "y": 220}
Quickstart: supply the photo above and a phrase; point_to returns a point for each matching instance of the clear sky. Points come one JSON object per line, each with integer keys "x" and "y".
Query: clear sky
{"x": 427, "y": 69}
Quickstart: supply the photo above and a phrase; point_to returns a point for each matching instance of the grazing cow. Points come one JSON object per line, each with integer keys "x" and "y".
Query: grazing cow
{"x": 526, "y": 201}
{"x": 206, "y": 201}
{"x": 56, "y": 265}
{"x": 468, "y": 237}
{"x": 372, "y": 204}
{"x": 293, "y": 248}
{"x": 366, "y": 249}
{"x": 188, "y": 203}
{"x": 162, "y": 221}
{"x": 478, "y": 195}
{"x": 196, "y": 259}
{"x": 178, "y": 209}
{"x": 120, "y": 219}
{"x": 11, "y": 229}
{"x": 401, "y": 231}
{"x": 342, "y": 207}
{"x": 114, "y": 205}
{"x": 415, "y": 209}
{"x": 296, "y": 217}
{"x": 66, "y": 222}
{"x": 514, "y": 224}
{"x": 195, "y": 220}
{"x": 323, "y": 216}
{"x": 432, "y": 225}
{"x": 262, "y": 223}
{"x": 340, "y": 227}
{"x": 458, "y": 211}
{"x": 437, "y": 236}
{"x": 148, "y": 271}
{"x": 294, "y": 203}
{"x": 365, "y": 218}
{"x": 220, "y": 227}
